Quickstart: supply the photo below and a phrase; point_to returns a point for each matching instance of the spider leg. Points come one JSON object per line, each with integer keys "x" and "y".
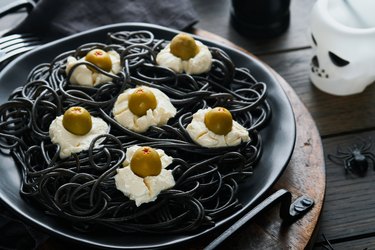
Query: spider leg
{"x": 339, "y": 151}
{"x": 366, "y": 144}
{"x": 335, "y": 158}
{"x": 370, "y": 156}
{"x": 353, "y": 147}
{"x": 342, "y": 154}
{"x": 347, "y": 165}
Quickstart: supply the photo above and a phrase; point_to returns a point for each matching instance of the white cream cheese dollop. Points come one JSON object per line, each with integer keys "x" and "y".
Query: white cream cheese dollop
{"x": 84, "y": 76}
{"x": 203, "y": 136}
{"x": 143, "y": 190}
{"x": 157, "y": 117}
{"x": 198, "y": 64}
{"x": 71, "y": 143}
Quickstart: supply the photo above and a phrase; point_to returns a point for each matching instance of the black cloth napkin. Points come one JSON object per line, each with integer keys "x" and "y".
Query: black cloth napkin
{"x": 58, "y": 18}
{"x": 15, "y": 234}
{"x": 52, "y": 19}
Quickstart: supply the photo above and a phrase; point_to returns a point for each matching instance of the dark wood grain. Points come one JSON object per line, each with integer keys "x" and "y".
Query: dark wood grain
{"x": 366, "y": 243}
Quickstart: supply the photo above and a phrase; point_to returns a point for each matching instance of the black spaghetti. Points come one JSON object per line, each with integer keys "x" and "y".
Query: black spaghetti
{"x": 81, "y": 189}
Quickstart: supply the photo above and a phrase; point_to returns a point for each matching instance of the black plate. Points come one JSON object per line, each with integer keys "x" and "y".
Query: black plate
{"x": 278, "y": 137}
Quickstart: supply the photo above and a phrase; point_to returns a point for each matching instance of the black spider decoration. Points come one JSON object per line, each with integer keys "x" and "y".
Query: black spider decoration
{"x": 356, "y": 157}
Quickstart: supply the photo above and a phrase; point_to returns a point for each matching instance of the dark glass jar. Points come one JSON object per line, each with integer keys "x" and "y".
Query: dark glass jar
{"x": 260, "y": 18}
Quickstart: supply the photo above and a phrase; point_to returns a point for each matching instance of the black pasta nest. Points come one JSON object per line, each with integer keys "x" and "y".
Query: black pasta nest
{"x": 81, "y": 188}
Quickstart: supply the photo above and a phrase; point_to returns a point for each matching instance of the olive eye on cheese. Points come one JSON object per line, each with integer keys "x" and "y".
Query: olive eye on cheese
{"x": 184, "y": 46}
{"x": 219, "y": 120}
{"x": 146, "y": 162}
{"x": 77, "y": 120}
{"x": 142, "y": 100}
{"x": 185, "y": 54}
{"x": 100, "y": 58}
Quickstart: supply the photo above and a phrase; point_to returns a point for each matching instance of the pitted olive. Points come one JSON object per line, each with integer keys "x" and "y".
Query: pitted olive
{"x": 219, "y": 120}
{"x": 184, "y": 46}
{"x": 141, "y": 100}
{"x": 100, "y": 58}
{"x": 146, "y": 162}
{"x": 77, "y": 120}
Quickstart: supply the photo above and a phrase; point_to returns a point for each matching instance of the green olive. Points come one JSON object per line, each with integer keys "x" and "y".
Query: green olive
{"x": 100, "y": 58}
{"x": 146, "y": 162}
{"x": 77, "y": 120}
{"x": 141, "y": 100}
{"x": 219, "y": 120}
{"x": 184, "y": 46}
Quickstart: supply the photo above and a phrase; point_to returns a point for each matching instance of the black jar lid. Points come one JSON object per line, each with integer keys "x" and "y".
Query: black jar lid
{"x": 260, "y": 18}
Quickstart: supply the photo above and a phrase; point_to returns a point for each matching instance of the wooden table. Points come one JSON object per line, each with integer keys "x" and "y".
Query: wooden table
{"x": 348, "y": 214}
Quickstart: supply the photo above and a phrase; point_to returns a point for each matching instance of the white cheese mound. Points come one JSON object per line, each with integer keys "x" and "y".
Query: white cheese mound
{"x": 203, "y": 136}
{"x": 198, "y": 64}
{"x": 84, "y": 76}
{"x": 157, "y": 117}
{"x": 143, "y": 190}
{"x": 71, "y": 143}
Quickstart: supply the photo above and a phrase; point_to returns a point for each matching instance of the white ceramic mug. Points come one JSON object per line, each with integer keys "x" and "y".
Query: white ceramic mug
{"x": 343, "y": 39}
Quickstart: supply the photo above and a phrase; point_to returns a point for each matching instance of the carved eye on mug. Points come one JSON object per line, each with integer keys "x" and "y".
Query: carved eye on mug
{"x": 336, "y": 60}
